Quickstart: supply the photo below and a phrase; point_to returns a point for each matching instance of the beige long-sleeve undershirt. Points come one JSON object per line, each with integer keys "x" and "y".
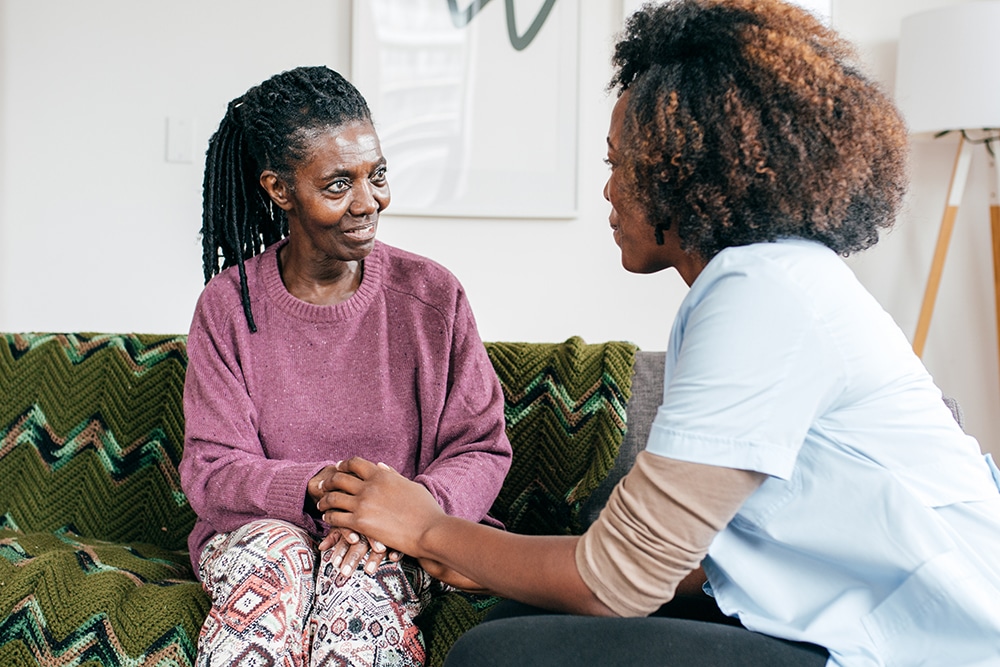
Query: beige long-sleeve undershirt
{"x": 656, "y": 528}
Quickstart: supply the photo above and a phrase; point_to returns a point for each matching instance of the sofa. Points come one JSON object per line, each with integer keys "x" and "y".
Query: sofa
{"x": 93, "y": 522}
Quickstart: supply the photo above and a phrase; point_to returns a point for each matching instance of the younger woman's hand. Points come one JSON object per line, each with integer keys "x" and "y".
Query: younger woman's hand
{"x": 374, "y": 500}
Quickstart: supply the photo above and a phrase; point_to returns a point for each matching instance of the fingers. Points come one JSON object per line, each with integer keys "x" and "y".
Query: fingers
{"x": 338, "y": 551}
{"x": 320, "y": 481}
{"x": 337, "y": 489}
{"x": 372, "y": 561}
{"x": 332, "y": 538}
{"x": 349, "y": 480}
{"x": 354, "y": 556}
{"x": 357, "y": 466}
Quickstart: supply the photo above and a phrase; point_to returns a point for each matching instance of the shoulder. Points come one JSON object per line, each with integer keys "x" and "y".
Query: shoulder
{"x": 220, "y": 299}
{"x": 777, "y": 270}
{"x": 776, "y": 258}
{"x": 421, "y": 278}
{"x": 792, "y": 285}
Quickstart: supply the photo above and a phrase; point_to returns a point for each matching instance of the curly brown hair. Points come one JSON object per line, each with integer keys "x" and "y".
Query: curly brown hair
{"x": 747, "y": 121}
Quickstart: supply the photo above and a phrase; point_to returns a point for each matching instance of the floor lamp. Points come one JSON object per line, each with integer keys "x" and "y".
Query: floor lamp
{"x": 947, "y": 81}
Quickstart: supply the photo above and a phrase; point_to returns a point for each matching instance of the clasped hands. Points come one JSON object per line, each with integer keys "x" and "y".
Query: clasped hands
{"x": 375, "y": 514}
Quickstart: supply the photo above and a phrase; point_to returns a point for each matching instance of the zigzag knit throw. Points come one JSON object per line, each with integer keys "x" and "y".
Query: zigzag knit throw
{"x": 565, "y": 407}
{"x": 93, "y": 523}
{"x": 565, "y": 410}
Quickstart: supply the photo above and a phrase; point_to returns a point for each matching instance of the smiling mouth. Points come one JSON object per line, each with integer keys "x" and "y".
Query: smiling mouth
{"x": 362, "y": 233}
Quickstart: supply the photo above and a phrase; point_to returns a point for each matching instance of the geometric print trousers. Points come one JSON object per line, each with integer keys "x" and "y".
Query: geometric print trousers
{"x": 277, "y": 601}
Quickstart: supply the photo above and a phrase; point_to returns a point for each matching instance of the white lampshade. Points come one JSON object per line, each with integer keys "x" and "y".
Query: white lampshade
{"x": 948, "y": 73}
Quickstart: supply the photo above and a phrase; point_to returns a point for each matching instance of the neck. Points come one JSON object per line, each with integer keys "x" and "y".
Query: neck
{"x": 691, "y": 269}
{"x": 319, "y": 282}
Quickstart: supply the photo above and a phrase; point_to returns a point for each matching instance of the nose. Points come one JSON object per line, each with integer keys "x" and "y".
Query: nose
{"x": 607, "y": 187}
{"x": 365, "y": 200}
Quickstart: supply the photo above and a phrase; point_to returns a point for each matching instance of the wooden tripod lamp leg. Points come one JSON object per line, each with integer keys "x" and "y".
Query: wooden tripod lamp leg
{"x": 995, "y": 229}
{"x": 959, "y": 175}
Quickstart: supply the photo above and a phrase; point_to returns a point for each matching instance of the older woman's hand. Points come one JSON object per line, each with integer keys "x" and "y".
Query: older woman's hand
{"x": 350, "y": 548}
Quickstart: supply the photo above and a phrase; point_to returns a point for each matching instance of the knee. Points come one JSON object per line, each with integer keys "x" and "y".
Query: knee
{"x": 275, "y": 548}
{"x": 483, "y": 645}
{"x": 281, "y": 546}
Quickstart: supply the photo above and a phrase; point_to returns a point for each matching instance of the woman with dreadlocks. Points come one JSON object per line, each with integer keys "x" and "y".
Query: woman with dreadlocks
{"x": 311, "y": 343}
{"x": 802, "y": 455}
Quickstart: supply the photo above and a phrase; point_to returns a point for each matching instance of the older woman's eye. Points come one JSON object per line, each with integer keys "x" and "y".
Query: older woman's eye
{"x": 339, "y": 185}
{"x": 379, "y": 175}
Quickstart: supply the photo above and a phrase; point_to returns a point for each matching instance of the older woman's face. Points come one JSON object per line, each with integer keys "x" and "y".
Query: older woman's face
{"x": 632, "y": 231}
{"x": 337, "y": 193}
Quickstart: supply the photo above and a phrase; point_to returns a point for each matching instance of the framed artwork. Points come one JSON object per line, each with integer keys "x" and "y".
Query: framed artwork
{"x": 475, "y": 105}
{"x": 821, "y": 8}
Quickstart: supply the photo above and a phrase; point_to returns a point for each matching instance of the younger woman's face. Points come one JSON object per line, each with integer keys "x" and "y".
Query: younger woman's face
{"x": 629, "y": 222}
{"x": 337, "y": 192}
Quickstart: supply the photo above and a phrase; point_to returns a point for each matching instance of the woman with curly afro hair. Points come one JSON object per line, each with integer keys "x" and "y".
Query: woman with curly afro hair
{"x": 802, "y": 469}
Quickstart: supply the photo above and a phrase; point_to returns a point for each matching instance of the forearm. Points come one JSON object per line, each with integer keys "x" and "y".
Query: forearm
{"x": 466, "y": 485}
{"x": 232, "y": 490}
{"x": 655, "y": 530}
{"x": 537, "y": 570}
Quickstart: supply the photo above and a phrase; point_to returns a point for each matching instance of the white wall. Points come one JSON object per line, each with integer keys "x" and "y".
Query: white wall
{"x": 961, "y": 350}
{"x": 98, "y": 232}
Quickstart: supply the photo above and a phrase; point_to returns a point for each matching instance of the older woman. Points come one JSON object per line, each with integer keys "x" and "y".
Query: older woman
{"x": 313, "y": 343}
{"x": 802, "y": 455}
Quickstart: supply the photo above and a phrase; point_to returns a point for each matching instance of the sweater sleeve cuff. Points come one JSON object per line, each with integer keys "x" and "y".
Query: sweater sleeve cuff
{"x": 286, "y": 494}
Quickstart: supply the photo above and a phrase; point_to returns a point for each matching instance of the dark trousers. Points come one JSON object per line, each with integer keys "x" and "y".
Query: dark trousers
{"x": 686, "y": 632}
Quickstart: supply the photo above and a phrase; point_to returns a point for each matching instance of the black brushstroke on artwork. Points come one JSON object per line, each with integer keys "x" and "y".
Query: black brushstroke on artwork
{"x": 461, "y": 18}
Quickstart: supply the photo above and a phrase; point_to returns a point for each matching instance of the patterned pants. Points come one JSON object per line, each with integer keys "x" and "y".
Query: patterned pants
{"x": 272, "y": 606}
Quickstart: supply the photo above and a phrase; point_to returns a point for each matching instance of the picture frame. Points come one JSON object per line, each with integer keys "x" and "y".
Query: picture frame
{"x": 822, "y": 9}
{"x": 475, "y": 106}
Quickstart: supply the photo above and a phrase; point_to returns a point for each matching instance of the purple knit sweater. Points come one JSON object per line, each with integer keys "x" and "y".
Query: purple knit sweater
{"x": 397, "y": 373}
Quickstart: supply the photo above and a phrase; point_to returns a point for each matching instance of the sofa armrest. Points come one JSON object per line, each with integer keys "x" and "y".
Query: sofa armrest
{"x": 647, "y": 394}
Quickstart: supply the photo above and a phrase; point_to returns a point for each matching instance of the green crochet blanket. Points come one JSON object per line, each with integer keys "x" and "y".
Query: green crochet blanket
{"x": 93, "y": 524}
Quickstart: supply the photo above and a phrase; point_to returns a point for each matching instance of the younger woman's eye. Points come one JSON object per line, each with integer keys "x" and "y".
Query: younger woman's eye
{"x": 607, "y": 161}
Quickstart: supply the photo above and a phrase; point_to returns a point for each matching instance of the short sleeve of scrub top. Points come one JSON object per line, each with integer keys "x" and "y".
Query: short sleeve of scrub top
{"x": 749, "y": 366}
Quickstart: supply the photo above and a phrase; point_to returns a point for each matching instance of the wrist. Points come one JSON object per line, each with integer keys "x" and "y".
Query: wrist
{"x": 434, "y": 537}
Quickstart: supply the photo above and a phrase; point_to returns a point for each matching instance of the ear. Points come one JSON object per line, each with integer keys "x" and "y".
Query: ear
{"x": 276, "y": 189}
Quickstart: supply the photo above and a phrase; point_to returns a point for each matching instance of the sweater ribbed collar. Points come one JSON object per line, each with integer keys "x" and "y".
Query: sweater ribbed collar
{"x": 278, "y": 294}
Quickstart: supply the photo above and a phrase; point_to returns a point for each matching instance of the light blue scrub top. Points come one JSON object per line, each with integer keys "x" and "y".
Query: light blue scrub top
{"x": 877, "y": 534}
